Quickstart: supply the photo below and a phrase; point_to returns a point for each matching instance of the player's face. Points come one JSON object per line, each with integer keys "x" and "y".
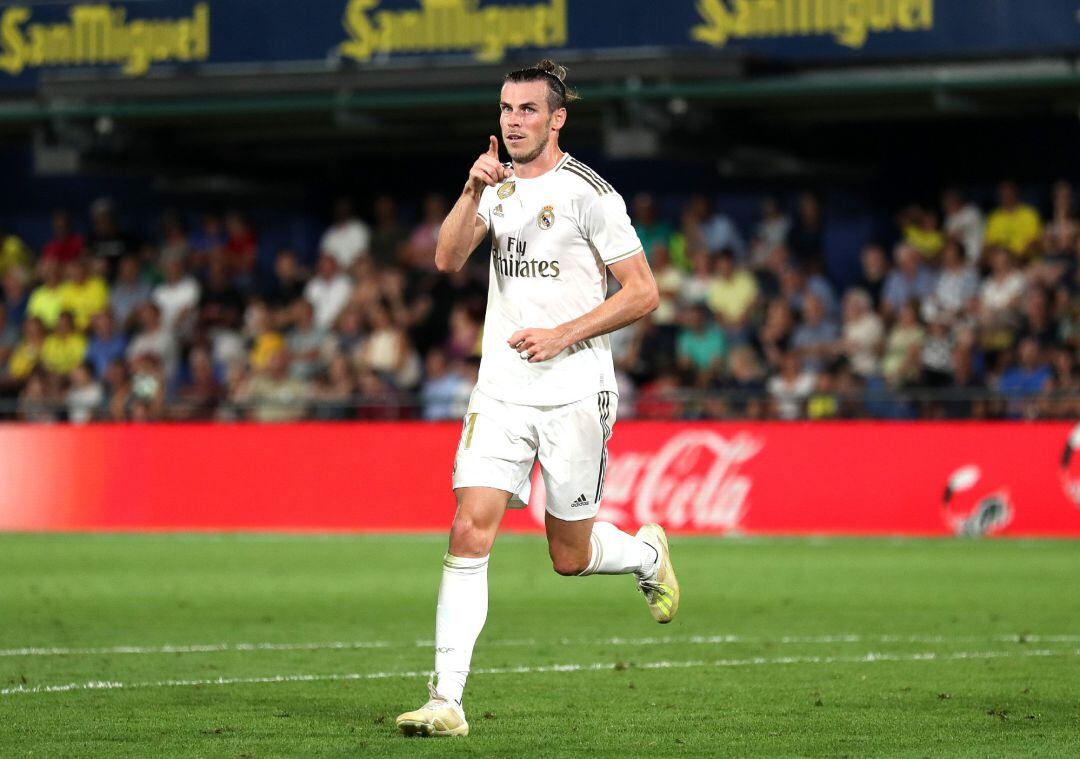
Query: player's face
{"x": 526, "y": 120}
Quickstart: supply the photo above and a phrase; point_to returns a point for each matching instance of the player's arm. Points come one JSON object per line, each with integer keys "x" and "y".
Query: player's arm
{"x": 463, "y": 229}
{"x": 637, "y": 297}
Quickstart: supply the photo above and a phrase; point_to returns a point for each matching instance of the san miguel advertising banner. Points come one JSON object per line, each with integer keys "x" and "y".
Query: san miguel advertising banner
{"x": 849, "y": 478}
{"x": 192, "y": 35}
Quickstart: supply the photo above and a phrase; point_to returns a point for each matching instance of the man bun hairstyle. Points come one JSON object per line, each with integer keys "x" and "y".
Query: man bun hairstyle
{"x": 554, "y": 75}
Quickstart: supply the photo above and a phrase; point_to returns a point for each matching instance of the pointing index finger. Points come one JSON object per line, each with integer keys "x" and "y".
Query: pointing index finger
{"x": 493, "y": 147}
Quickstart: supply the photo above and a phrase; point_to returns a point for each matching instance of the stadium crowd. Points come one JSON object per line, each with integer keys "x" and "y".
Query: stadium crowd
{"x": 967, "y": 315}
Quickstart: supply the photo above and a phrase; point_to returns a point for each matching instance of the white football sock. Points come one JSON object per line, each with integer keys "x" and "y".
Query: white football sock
{"x": 614, "y": 552}
{"x": 459, "y": 618}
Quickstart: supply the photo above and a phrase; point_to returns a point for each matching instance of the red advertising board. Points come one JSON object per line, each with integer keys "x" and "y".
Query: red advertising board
{"x": 857, "y": 478}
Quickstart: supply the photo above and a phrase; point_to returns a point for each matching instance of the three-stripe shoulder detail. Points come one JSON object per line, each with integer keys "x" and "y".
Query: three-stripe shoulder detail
{"x": 593, "y": 179}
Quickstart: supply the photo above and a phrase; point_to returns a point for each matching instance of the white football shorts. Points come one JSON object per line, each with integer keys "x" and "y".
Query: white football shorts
{"x": 500, "y": 442}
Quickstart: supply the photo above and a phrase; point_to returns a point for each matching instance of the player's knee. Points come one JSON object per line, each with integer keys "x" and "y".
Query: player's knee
{"x": 568, "y": 564}
{"x": 470, "y": 539}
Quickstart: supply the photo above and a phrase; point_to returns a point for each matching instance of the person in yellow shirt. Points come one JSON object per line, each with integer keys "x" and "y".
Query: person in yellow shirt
{"x": 1014, "y": 226}
{"x": 84, "y": 296}
{"x": 65, "y": 348}
{"x": 920, "y": 227}
{"x": 24, "y": 359}
{"x": 13, "y": 253}
{"x": 733, "y": 291}
{"x": 45, "y": 302}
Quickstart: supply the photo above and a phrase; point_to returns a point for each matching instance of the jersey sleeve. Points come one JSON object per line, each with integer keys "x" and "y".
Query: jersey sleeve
{"x": 607, "y": 226}
{"x": 483, "y": 209}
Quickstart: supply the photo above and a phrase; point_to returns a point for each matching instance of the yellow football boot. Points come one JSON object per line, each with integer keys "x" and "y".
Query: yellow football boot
{"x": 661, "y": 589}
{"x": 439, "y": 717}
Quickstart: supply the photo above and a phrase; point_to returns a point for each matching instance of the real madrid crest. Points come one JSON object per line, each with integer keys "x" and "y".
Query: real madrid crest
{"x": 506, "y": 190}
{"x": 546, "y": 217}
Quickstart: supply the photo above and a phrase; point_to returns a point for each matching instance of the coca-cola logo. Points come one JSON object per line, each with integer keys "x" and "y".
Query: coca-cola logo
{"x": 692, "y": 480}
{"x": 969, "y": 514}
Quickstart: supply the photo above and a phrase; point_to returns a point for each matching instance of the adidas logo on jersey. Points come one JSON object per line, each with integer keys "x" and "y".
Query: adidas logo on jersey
{"x": 581, "y": 500}
{"x": 497, "y": 210}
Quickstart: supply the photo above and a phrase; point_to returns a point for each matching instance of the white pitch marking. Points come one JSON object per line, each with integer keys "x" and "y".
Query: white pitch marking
{"x": 866, "y": 658}
{"x": 615, "y": 641}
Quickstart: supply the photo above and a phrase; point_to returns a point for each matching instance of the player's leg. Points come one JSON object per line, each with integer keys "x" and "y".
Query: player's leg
{"x": 573, "y": 455}
{"x": 494, "y": 458}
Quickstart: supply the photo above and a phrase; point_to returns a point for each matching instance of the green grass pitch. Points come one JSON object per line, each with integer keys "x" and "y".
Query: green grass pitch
{"x": 233, "y": 646}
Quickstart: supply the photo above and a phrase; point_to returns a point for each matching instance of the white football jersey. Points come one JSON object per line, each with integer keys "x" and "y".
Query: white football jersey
{"x": 552, "y": 238}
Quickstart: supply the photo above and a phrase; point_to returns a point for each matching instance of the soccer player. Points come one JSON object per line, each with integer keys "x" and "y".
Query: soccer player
{"x": 546, "y": 388}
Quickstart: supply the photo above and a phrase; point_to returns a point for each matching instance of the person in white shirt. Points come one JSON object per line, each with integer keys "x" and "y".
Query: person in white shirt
{"x": 547, "y": 386}
{"x": 328, "y": 292}
{"x": 348, "y": 238}
{"x": 177, "y": 296}
{"x": 964, "y": 223}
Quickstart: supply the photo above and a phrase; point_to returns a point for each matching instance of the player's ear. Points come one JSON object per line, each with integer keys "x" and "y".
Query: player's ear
{"x": 558, "y": 119}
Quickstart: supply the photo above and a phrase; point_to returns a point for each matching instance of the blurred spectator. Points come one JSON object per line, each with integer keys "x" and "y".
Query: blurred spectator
{"x": 335, "y": 392}
{"x": 444, "y": 392}
{"x": 669, "y": 283}
{"x": 273, "y": 395}
{"x": 177, "y": 296}
{"x": 902, "y": 362}
{"x": 27, "y": 353}
{"x": 774, "y": 335}
{"x": 348, "y": 238}
{"x": 688, "y": 239}
{"x": 387, "y": 351}
{"x": 262, "y": 339}
{"x": 937, "y": 351}
{"x": 651, "y": 230}
{"x": 806, "y": 238}
{"x": 85, "y": 397}
{"x": 15, "y": 294}
{"x": 1021, "y": 383}
{"x": 1065, "y": 385}
{"x": 199, "y": 395}
{"x": 420, "y": 248}
{"x": 129, "y": 292}
{"x": 388, "y": 238}
{"x": 1014, "y": 225}
{"x": 108, "y": 243}
{"x": 117, "y": 390}
{"x": 65, "y": 348}
{"x": 790, "y": 388}
{"x": 659, "y": 399}
{"x": 720, "y": 232}
{"x": 732, "y": 293}
{"x": 910, "y": 279}
{"x": 875, "y": 272}
{"x": 920, "y": 228}
{"x": 696, "y": 287}
{"x": 376, "y": 398}
{"x": 999, "y": 298}
{"x": 1036, "y": 321}
{"x": 106, "y": 345}
{"x": 1063, "y": 229}
{"x": 743, "y": 387}
{"x": 796, "y": 285}
{"x": 823, "y": 402}
{"x": 701, "y": 346}
{"x": 46, "y": 300}
{"x": 220, "y": 302}
{"x": 146, "y": 401}
{"x": 772, "y": 231}
{"x": 305, "y": 342}
{"x": 863, "y": 334}
{"x": 289, "y": 281}
{"x": 13, "y": 253}
{"x": 65, "y": 245}
{"x": 957, "y": 284}
{"x": 34, "y": 404}
{"x": 328, "y": 292}
{"x": 465, "y": 334}
{"x": 241, "y": 250}
{"x": 209, "y": 240}
{"x": 816, "y": 337}
{"x": 9, "y": 338}
{"x": 174, "y": 239}
{"x": 153, "y": 339}
{"x": 963, "y": 224}
{"x": 82, "y": 294}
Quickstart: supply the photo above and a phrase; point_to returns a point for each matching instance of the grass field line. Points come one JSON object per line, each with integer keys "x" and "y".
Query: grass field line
{"x": 201, "y": 648}
{"x": 867, "y": 658}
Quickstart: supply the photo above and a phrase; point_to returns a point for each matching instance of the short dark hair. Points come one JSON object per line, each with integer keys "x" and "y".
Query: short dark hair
{"x": 554, "y": 75}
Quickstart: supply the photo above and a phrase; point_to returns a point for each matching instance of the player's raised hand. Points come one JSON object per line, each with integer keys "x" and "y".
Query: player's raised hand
{"x": 487, "y": 171}
{"x": 536, "y": 344}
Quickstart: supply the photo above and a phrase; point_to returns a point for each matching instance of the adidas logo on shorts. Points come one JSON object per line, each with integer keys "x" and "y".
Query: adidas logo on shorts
{"x": 580, "y": 501}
